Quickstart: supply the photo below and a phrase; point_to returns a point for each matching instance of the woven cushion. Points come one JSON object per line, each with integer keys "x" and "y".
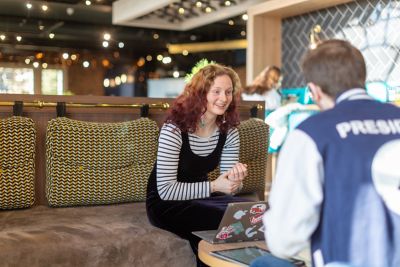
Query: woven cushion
{"x": 253, "y": 134}
{"x": 17, "y": 162}
{"x": 98, "y": 163}
{"x": 253, "y": 151}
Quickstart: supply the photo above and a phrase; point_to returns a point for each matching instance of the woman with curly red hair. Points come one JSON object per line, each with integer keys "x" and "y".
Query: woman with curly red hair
{"x": 198, "y": 135}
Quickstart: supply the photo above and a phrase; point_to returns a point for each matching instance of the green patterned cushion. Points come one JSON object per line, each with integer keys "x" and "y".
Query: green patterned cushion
{"x": 253, "y": 151}
{"x": 90, "y": 163}
{"x": 17, "y": 162}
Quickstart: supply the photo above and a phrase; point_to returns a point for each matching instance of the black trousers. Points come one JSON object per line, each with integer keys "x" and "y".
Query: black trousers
{"x": 184, "y": 217}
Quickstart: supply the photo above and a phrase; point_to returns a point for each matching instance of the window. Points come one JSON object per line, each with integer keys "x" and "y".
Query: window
{"x": 16, "y": 80}
{"x": 28, "y": 80}
{"x": 52, "y": 82}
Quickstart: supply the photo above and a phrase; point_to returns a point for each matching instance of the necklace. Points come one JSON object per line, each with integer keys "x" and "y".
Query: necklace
{"x": 206, "y": 135}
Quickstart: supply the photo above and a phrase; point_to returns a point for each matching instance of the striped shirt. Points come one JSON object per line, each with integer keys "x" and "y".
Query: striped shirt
{"x": 169, "y": 147}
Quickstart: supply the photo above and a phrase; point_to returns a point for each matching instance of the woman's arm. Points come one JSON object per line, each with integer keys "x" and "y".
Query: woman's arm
{"x": 230, "y": 151}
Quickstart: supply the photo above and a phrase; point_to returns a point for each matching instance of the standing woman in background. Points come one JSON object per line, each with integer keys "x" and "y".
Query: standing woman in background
{"x": 264, "y": 87}
{"x": 198, "y": 135}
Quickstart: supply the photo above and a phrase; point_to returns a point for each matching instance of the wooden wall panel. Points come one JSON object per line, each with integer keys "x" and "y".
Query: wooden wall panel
{"x": 264, "y": 30}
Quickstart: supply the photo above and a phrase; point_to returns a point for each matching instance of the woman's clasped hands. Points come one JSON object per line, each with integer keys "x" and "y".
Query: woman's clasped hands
{"x": 230, "y": 181}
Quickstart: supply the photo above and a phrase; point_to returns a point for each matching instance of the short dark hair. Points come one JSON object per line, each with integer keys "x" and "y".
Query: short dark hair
{"x": 335, "y": 66}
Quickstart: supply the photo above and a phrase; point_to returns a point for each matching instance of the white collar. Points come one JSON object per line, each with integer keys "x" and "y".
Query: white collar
{"x": 353, "y": 94}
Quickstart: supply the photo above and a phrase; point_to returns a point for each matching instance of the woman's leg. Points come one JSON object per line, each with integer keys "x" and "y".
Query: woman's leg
{"x": 184, "y": 217}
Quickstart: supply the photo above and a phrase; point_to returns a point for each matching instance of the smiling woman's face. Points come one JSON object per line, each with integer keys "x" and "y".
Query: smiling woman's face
{"x": 220, "y": 96}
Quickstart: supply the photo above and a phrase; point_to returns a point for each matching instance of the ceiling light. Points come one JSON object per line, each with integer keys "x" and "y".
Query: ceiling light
{"x": 208, "y": 9}
{"x": 65, "y": 55}
{"x": 149, "y": 58}
{"x": 156, "y": 36}
{"x": 106, "y": 82}
{"x": 39, "y": 55}
{"x": 199, "y": 3}
{"x": 44, "y": 65}
{"x": 28, "y": 5}
{"x": 105, "y": 62}
{"x": 167, "y": 60}
{"x": 105, "y": 44}
{"x": 45, "y": 8}
{"x": 86, "y": 64}
{"x": 121, "y": 44}
{"x": 70, "y": 11}
{"x": 175, "y": 74}
{"x": 181, "y": 10}
{"x": 74, "y": 57}
{"x": 2, "y": 37}
{"x": 107, "y": 36}
{"x": 117, "y": 80}
{"x": 231, "y": 22}
{"x": 51, "y": 35}
{"x": 141, "y": 62}
{"x": 159, "y": 57}
{"x": 245, "y": 17}
{"x": 36, "y": 64}
{"x": 185, "y": 52}
{"x": 27, "y": 61}
{"x": 124, "y": 78}
{"x": 19, "y": 38}
{"x": 88, "y": 3}
{"x": 243, "y": 33}
{"x": 227, "y": 3}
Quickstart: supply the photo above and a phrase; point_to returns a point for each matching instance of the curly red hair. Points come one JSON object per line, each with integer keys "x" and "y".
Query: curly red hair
{"x": 189, "y": 106}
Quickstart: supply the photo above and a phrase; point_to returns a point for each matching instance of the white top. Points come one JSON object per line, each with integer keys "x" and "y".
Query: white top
{"x": 169, "y": 147}
{"x": 272, "y": 98}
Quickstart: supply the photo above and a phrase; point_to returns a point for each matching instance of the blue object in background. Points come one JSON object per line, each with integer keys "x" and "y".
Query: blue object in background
{"x": 301, "y": 94}
{"x": 379, "y": 90}
{"x": 293, "y": 120}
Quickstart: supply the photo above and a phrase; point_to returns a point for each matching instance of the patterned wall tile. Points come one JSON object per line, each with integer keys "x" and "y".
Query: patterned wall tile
{"x": 373, "y": 26}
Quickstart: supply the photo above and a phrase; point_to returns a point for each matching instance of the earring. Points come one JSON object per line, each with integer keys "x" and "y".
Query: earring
{"x": 223, "y": 118}
{"x": 202, "y": 123}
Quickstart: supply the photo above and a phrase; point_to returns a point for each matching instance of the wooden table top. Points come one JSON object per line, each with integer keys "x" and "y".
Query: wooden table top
{"x": 205, "y": 248}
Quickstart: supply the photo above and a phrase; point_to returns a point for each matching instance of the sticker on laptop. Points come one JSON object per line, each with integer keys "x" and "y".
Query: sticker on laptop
{"x": 225, "y": 233}
{"x": 258, "y": 208}
{"x": 250, "y": 232}
{"x": 239, "y": 214}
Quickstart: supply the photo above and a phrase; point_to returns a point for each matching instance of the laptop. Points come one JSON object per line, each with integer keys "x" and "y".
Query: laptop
{"x": 242, "y": 221}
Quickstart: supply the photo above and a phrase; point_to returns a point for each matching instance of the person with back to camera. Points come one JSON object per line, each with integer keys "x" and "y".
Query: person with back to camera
{"x": 264, "y": 87}
{"x": 338, "y": 179}
{"x": 198, "y": 135}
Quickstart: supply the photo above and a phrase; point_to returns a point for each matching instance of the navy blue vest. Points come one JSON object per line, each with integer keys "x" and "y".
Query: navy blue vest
{"x": 360, "y": 219}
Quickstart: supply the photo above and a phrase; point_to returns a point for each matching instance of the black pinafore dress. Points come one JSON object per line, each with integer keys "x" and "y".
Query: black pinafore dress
{"x": 184, "y": 216}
